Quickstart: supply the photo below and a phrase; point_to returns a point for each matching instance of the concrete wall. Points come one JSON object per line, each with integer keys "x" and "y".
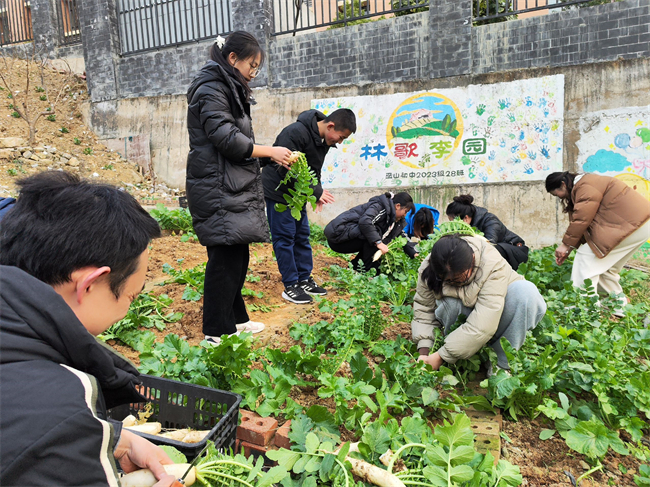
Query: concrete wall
{"x": 526, "y": 208}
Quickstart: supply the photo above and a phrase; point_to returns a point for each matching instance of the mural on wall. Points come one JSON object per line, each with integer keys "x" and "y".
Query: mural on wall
{"x": 617, "y": 143}
{"x": 509, "y": 131}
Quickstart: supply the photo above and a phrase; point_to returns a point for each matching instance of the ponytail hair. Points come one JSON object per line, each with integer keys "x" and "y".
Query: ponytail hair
{"x": 245, "y": 46}
{"x": 554, "y": 181}
{"x": 403, "y": 199}
{"x": 450, "y": 256}
{"x": 461, "y": 207}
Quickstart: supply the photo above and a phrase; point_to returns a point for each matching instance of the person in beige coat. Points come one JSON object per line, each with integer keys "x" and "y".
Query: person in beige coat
{"x": 610, "y": 217}
{"x": 467, "y": 275}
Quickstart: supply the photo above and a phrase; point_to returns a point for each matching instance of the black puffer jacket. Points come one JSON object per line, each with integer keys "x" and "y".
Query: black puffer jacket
{"x": 224, "y": 184}
{"x": 368, "y": 221}
{"x": 57, "y": 382}
{"x": 302, "y": 136}
{"x": 492, "y": 228}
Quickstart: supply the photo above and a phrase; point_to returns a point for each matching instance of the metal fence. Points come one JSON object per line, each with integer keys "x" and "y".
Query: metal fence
{"x": 292, "y": 16}
{"x": 15, "y": 22}
{"x": 68, "y": 20}
{"x": 487, "y": 11}
{"x": 147, "y": 25}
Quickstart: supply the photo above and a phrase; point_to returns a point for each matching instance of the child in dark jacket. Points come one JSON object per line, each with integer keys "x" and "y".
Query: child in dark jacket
{"x": 369, "y": 228}
{"x": 313, "y": 134}
{"x": 510, "y": 245}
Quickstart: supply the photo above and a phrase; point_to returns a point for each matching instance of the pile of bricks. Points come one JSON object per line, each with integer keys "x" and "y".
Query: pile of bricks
{"x": 257, "y": 435}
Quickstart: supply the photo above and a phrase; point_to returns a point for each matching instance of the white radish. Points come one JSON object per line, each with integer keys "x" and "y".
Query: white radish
{"x": 176, "y": 435}
{"x": 377, "y": 256}
{"x": 195, "y": 436}
{"x": 149, "y": 428}
{"x": 374, "y": 475}
{"x": 370, "y": 473}
{"x": 129, "y": 421}
{"x": 144, "y": 477}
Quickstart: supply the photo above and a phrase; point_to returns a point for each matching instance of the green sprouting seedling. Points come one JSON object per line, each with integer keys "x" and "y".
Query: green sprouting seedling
{"x": 88, "y": 151}
{"x": 40, "y": 89}
{"x": 43, "y": 97}
{"x": 302, "y": 191}
{"x": 51, "y": 118}
{"x": 76, "y": 141}
{"x": 64, "y": 130}
{"x": 108, "y": 167}
{"x": 12, "y": 172}
{"x": 15, "y": 114}
{"x": 452, "y": 228}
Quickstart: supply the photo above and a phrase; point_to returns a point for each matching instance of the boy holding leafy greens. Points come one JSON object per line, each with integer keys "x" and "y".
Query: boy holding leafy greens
{"x": 312, "y": 134}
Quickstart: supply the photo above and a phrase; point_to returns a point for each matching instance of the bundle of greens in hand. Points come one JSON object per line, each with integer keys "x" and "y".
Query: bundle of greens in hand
{"x": 302, "y": 191}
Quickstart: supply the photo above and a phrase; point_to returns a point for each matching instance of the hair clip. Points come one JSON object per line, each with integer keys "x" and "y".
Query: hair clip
{"x": 220, "y": 42}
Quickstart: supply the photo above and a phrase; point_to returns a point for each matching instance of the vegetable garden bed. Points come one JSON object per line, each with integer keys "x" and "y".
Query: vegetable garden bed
{"x": 345, "y": 369}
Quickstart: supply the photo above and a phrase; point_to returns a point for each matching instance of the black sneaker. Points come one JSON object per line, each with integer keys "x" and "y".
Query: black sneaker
{"x": 311, "y": 287}
{"x": 296, "y": 294}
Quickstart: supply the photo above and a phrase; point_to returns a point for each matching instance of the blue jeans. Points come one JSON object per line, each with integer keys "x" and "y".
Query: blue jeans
{"x": 290, "y": 244}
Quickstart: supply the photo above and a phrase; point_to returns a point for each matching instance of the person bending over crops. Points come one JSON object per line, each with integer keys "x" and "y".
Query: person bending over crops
{"x": 313, "y": 135}
{"x": 510, "y": 245}
{"x": 610, "y": 217}
{"x": 73, "y": 255}
{"x": 224, "y": 185}
{"x": 467, "y": 275}
{"x": 367, "y": 229}
{"x": 421, "y": 221}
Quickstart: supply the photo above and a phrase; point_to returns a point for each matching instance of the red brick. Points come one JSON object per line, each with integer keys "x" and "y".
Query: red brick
{"x": 257, "y": 450}
{"x": 282, "y": 436}
{"x": 256, "y": 430}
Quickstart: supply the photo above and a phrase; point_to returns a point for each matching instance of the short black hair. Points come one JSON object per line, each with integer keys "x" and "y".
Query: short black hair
{"x": 343, "y": 119}
{"x": 62, "y": 223}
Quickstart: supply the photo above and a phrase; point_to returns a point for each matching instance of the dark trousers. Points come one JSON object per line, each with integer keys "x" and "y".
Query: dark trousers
{"x": 290, "y": 243}
{"x": 365, "y": 249}
{"x": 223, "y": 304}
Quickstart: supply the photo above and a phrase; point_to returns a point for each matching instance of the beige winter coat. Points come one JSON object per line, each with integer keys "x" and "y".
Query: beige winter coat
{"x": 485, "y": 293}
{"x": 605, "y": 212}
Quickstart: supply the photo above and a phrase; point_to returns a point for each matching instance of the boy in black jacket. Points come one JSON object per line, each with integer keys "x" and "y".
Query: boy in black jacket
{"x": 73, "y": 256}
{"x": 314, "y": 134}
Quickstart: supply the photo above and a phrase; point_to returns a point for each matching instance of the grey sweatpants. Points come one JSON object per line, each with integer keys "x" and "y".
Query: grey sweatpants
{"x": 523, "y": 309}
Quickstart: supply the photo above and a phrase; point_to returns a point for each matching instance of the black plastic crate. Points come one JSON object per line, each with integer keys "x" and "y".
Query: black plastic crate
{"x": 182, "y": 405}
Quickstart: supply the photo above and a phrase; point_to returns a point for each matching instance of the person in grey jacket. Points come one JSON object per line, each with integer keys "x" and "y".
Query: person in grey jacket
{"x": 510, "y": 245}
{"x": 466, "y": 275}
{"x": 224, "y": 185}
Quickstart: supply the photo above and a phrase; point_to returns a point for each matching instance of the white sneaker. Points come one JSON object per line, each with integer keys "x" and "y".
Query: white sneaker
{"x": 250, "y": 327}
{"x": 214, "y": 341}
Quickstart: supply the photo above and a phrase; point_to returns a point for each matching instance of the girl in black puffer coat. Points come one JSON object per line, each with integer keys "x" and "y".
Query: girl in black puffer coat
{"x": 510, "y": 245}
{"x": 224, "y": 186}
{"x": 369, "y": 228}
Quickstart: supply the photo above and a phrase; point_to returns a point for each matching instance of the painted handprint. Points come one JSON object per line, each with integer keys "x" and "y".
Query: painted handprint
{"x": 544, "y": 152}
{"x": 492, "y": 156}
{"x": 532, "y": 154}
{"x": 480, "y": 110}
{"x": 528, "y": 169}
{"x": 504, "y": 103}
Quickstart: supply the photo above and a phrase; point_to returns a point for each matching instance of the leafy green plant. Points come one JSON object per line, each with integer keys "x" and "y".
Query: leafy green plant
{"x": 12, "y": 172}
{"x": 215, "y": 366}
{"x": 177, "y": 220}
{"x": 146, "y": 312}
{"x": 193, "y": 278}
{"x": 64, "y": 130}
{"x": 15, "y": 114}
{"x": 39, "y": 89}
{"x": 88, "y": 151}
{"x": 302, "y": 191}
{"x": 43, "y": 97}
{"x": 108, "y": 167}
{"x": 76, "y": 141}
{"x": 51, "y": 118}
